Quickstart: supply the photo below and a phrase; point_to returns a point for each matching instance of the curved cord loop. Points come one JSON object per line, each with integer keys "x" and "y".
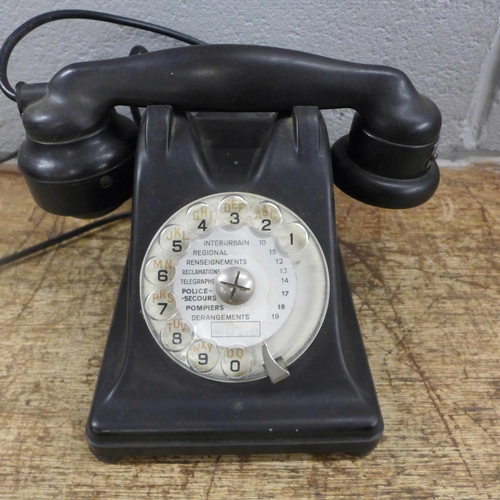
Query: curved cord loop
{"x": 57, "y": 15}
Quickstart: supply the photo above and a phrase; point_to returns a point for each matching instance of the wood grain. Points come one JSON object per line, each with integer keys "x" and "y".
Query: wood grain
{"x": 426, "y": 284}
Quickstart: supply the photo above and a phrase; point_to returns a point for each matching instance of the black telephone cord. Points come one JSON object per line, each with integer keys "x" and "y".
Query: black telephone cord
{"x": 57, "y": 15}
{"x": 8, "y": 156}
{"x": 62, "y": 237}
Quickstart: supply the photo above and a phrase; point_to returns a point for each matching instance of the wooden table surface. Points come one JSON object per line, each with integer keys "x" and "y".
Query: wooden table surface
{"x": 426, "y": 285}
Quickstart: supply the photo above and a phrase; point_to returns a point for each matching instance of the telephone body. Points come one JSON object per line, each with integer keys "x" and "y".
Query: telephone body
{"x": 234, "y": 330}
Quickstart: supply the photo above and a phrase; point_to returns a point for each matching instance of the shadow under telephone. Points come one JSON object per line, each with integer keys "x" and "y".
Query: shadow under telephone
{"x": 234, "y": 329}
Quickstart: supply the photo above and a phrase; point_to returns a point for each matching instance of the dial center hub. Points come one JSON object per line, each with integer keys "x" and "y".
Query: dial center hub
{"x": 234, "y": 285}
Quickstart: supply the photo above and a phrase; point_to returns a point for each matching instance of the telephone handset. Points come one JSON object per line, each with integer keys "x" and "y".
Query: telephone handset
{"x": 234, "y": 329}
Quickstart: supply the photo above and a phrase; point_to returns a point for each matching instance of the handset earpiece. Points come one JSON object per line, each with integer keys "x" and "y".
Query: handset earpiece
{"x": 386, "y": 173}
{"x": 84, "y": 172}
{"x": 386, "y": 160}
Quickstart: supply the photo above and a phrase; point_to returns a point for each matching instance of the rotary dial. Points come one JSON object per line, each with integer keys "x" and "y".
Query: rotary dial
{"x": 234, "y": 287}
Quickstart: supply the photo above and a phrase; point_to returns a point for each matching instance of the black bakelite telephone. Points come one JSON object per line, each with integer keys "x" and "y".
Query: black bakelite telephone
{"x": 234, "y": 330}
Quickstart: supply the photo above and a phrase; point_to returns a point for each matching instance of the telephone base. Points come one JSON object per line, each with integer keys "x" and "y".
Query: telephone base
{"x": 146, "y": 403}
{"x": 332, "y": 418}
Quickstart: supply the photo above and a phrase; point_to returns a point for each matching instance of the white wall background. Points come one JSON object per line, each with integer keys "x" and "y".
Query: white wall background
{"x": 447, "y": 47}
